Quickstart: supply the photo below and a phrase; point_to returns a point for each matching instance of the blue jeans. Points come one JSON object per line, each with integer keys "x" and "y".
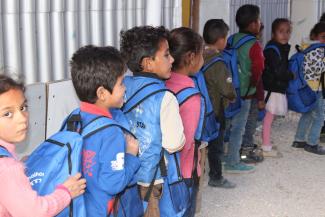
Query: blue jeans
{"x": 237, "y": 129}
{"x": 310, "y": 123}
{"x": 248, "y": 138}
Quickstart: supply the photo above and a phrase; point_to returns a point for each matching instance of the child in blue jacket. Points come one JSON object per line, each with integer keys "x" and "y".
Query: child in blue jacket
{"x": 155, "y": 120}
{"x": 109, "y": 158}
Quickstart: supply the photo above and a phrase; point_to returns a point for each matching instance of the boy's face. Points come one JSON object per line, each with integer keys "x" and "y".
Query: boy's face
{"x": 282, "y": 33}
{"x": 221, "y": 43}
{"x": 255, "y": 27}
{"x": 13, "y": 116}
{"x": 117, "y": 96}
{"x": 161, "y": 64}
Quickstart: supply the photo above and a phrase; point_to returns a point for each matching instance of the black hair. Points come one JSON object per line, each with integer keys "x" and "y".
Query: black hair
{"x": 214, "y": 29}
{"x": 93, "y": 67}
{"x": 246, "y": 15}
{"x": 182, "y": 41}
{"x": 316, "y": 30}
{"x": 140, "y": 42}
{"x": 322, "y": 18}
{"x": 7, "y": 83}
{"x": 277, "y": 22}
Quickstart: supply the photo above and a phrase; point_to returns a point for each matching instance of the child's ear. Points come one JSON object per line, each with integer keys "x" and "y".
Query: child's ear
{"x": 147, "y": 64}
{"x": 101, "y": 93}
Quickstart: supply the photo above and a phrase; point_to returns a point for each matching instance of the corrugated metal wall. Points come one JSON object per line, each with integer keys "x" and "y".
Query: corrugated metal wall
{"x": 321, "y": 7}
{"x": 37, "y": 37}
{"x": 270, "y": 9}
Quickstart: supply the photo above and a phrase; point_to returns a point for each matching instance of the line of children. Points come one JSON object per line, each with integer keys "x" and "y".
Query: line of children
{"x": 17, "y": 197}
{"x": 112, "y": 160}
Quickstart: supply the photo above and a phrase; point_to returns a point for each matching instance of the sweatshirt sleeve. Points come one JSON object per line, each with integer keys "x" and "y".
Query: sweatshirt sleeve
{"x": 172, "y": 130}
{"x": 20, "y": 200}
{"x": 257, "y": 59}
{"x": 117, "y": 168}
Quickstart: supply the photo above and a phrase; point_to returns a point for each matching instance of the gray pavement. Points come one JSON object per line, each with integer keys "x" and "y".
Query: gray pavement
{"x": 291, "y": 186}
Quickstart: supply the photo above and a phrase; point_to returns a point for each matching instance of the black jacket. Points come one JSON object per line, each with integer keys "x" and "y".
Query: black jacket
{"x": 276, "y": 75}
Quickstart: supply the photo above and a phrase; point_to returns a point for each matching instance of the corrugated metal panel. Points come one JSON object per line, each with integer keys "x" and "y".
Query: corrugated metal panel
{"x": 270, "y": 10}
{"x": 38, "y": 37}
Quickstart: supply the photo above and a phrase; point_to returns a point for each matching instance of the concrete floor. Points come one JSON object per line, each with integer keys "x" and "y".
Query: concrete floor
{"x": 291, "y": 186}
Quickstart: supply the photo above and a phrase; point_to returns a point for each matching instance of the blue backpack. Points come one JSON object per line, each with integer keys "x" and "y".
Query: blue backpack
{"x": 301, "y": 98}
{"x": 230, "y": 58}
{"x": 176, "y": 193}
{"x": 4, "y": 152}
{"x": 208, "y": 125}
{"x": 60, "y": 156}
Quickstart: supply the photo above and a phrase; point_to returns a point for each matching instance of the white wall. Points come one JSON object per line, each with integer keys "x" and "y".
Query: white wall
{"x": 213, "y": 9}
{"x": 304, "y": 15}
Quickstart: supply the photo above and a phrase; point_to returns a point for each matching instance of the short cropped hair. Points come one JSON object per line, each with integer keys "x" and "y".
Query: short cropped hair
{"x": 183, "y": 40}
{"x": 214, "y": 29}
{"x": 277, "y": 22}
{"x": 93, "y": 67}
{"x": 140, "y": 42}
{"x": 246, "y": 15}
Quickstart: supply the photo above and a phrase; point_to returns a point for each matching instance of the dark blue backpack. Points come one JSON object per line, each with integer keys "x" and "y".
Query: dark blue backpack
{"x": 60, "y": 156}
{"x": 176, "y": 191}
{"x": 209, "y": 126}
{"x": 301, "y": 98}
{"x": 230, "y": 58}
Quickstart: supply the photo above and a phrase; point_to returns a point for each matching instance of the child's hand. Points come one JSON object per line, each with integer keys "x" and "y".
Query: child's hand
{"x": 132, "y": 146}
{"x": 75, "y": 185}
{"x": 261, "y": 105}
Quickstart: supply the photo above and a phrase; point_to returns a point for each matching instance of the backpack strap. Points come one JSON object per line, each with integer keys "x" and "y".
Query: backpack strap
{"x": 273, "y": 47}
{"x": 4, "y": 152}
{"x": 211, "y": 62}
{"x": 242, "y": 41}
{"x": 184, "y": 94}
{"x": 267, "y": 96}
{"x": 313, "y": 47}
{"x": 163, "y": 171}
{"x": 100, "y": 123}
{"x": 72, "y": 122}
{"x": 142, "y": 94}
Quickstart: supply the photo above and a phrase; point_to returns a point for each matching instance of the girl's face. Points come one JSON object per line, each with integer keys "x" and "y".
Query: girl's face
{"x": 196, "y": 62}
{"x": 282, "y": 33}
{"x": 13, "y": 116}
{"x": 321, "y": 37}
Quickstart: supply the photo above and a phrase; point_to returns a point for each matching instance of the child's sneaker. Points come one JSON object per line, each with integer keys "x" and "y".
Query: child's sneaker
{"x": 239, "y": 168}
{"x": 221, "y": 183}
{"x": 297, "y": 144}
{"x": 271, "y": 153}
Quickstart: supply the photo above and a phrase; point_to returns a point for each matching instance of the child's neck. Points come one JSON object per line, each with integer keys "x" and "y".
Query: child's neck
{"x": 183, "y": 71}
{"x": 213, "y": 47}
